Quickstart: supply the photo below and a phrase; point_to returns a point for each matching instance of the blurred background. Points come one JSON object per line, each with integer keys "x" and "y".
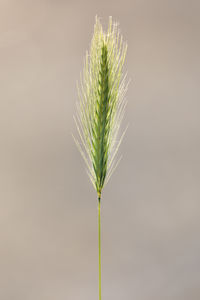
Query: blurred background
{"x": 151, "y": 206}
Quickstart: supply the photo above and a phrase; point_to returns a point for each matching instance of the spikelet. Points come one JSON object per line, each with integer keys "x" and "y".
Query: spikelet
{"x": 101, "y": 103}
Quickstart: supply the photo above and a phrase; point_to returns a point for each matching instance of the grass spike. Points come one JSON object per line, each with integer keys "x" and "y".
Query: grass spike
{"x": 101, "y": 100}
{"x": 101, "y": 108}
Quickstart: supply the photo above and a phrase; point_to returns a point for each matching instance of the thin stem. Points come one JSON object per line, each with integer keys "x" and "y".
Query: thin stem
{"x": 99, "y": 226}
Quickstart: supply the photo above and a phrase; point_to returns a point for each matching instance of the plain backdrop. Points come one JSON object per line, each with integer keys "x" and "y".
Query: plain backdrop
{"x": 151, "y": 206}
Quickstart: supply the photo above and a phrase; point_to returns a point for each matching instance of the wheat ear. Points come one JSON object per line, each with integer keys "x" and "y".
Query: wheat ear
{"x": 101, "y": 108}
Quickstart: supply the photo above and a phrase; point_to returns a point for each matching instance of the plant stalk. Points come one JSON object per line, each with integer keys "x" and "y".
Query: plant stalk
{"x": 99, "y": 233}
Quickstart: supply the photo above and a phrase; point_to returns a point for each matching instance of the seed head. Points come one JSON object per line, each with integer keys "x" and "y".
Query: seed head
{"x": 101, "y": 103}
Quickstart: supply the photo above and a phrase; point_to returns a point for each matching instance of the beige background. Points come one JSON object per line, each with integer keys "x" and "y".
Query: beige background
{"x": 151, "y": 206}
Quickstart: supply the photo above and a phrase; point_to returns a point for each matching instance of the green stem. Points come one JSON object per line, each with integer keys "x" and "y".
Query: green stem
{"x": 99, "y": 226}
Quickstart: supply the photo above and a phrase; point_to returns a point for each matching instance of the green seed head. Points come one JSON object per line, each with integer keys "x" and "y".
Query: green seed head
{"x": 101, "y": 106}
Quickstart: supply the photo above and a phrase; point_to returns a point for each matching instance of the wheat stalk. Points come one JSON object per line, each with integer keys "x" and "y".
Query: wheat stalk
{"x": 101, "y": 108}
